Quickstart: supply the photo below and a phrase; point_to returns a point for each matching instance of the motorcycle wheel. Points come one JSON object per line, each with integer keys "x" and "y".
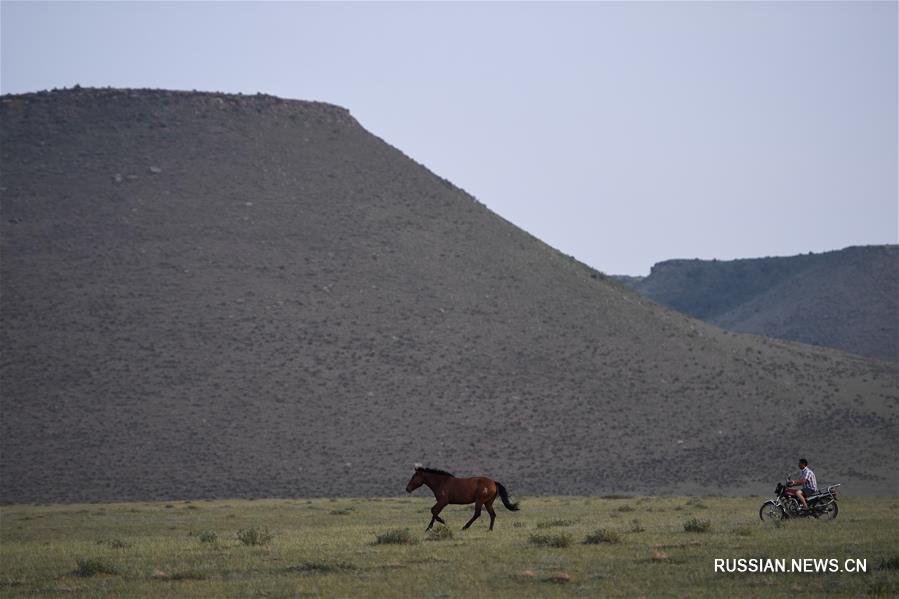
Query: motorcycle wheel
{"x": 771, "y": 512}
{"x": 829, "y": 511}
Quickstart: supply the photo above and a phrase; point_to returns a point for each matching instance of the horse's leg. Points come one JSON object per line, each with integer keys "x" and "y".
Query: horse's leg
{"x": 434, "y": 514}
{"x": 489, "y": 506}
{"x": 436, "y": 511}
{"x": 477, "y": 514}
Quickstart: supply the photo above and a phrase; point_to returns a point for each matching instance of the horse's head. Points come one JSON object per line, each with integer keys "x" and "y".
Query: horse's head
{"x": 416, "y": 481}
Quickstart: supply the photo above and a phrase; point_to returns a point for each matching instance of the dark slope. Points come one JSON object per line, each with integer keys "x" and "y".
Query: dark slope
{"x": 287, "y": 306}
{"x": 847, "y": 299}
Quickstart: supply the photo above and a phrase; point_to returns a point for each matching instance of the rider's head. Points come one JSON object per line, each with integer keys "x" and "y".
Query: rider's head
{"x": 803, "y": 462}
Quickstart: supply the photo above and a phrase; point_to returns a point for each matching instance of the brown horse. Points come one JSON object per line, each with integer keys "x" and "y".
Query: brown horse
{"x": 447, "y": 489}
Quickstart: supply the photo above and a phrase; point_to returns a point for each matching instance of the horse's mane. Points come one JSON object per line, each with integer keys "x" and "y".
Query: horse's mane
{"x": 433, "y": 471}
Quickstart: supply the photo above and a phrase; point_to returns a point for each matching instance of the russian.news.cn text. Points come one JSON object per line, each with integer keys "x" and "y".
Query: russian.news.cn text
{"x": 750, "y": 565}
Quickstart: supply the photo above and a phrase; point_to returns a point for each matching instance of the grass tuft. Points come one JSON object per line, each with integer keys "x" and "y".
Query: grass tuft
{"x": 255, "y": 536}
{"x": 93, "y": 566}
{"x": 440, "y": 533}
{"x": 635, "y": 526}
{"x": 695, "y": 525}
{"x": 603, "y": 535}
{"x": 399, "y": 536}
{"x": 553, "y": 523}
{"x": 208, "y": 536}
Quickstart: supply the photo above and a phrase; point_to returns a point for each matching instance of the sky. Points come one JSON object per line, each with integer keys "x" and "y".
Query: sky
{"x": 621, "y": 133}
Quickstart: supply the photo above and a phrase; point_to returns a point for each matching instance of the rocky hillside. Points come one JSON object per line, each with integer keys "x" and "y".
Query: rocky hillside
{"x": 206, "y": 295}
{"x": 847, "y": 299}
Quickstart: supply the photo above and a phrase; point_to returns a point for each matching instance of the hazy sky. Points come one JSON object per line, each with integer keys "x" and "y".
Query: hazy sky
{"x": 620, "y": 133}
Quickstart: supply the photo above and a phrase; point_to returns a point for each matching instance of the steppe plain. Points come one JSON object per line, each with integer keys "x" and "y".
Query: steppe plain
{"x": 553, "y": 547}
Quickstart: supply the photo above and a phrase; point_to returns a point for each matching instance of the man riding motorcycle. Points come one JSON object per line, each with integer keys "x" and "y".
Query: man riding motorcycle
{"x": 808, "y": 481}
{"x": 792, "y": 502}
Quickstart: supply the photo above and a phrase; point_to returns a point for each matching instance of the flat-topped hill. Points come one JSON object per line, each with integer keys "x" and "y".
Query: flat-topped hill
{"x": 207, "y": 295}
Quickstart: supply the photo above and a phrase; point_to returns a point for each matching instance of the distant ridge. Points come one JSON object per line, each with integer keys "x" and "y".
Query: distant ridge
{"x": 846, "y": 299}
{"x": 209, "y": 295}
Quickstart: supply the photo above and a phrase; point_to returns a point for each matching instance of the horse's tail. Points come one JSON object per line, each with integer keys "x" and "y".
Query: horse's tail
{"x": 504, "y": 495}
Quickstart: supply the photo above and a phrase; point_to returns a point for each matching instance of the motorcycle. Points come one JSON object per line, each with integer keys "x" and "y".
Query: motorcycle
{"x": 786, "y": 504}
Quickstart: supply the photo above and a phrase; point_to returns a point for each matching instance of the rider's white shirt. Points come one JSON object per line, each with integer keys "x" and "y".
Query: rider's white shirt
{"x": 809, "y": 476}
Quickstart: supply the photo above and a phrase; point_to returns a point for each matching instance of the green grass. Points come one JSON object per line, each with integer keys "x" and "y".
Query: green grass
{"x": 562, "y": 539}
{"x": 330, "y": 548}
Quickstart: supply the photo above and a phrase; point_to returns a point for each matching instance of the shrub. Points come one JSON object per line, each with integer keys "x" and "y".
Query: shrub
{"x": 625, "y": 508}
{"x": 400, "y": 536}
{"x": 603, "y": 535}
{"x": 92, "y": 567}
{"x": 255, "y": 536}
{"x": 547, "y": 540}
{"x": 695, "y": 525}
{"x": 208, "y": 536}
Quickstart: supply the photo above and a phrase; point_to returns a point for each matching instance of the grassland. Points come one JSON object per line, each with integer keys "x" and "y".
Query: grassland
{"x": 553, "y": 547}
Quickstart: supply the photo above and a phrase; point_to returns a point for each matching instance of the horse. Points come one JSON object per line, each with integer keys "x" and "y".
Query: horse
{"x": 479, "y": 490}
